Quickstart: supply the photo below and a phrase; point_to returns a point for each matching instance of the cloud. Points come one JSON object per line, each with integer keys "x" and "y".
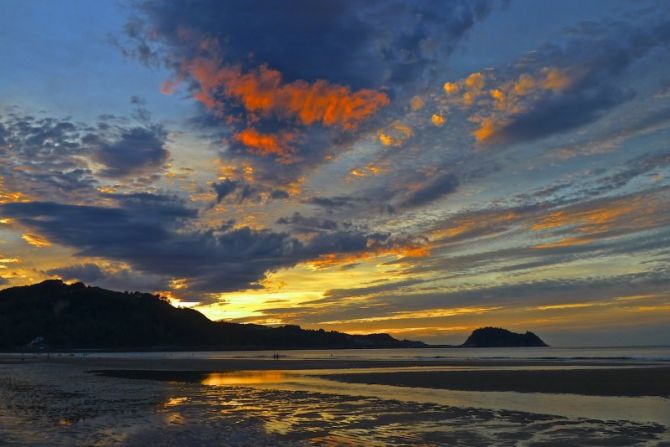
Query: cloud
{"x": 391, "y": 300}
{"x": 433, "y": 189}
{"x": 224, "y": 189}
{"x": 298, "y": 83}
{"x": 552, "y": 116}
{"x": 395, "y": 135}
{"x": 116, "y": 279}
{"x": 307, "y": 224}
{"x": 346, "y": 42}
{"x": 561, "y": 87}
{"x": 238, "y": 190}
{"x": 136, "y": 151}
{"x": 151, "y": 234}
{"x": 36, "y": 240}
{"x": 337, "y": 202}
{"x": 150, "y": 241}
{"x": 264, "y": 92}
{"x": 48, "y": 157}
{"x": 268, "y": 144}
{"x": 44, "y": 157}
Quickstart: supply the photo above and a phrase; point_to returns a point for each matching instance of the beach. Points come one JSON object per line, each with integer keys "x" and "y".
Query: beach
{"x": 79, "y": 400}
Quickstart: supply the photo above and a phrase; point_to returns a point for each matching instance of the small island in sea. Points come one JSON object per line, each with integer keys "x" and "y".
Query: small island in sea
{"x": 493, "y": 337}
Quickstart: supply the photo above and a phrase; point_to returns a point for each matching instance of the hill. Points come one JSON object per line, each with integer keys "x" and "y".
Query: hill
{"x": 77, "y": 316}
{"x": 491, "y": 337}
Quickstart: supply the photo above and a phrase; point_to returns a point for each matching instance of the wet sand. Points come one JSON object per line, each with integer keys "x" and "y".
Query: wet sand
{"x": 641, "y": 381}
{"x": 587, "y": 378}
{"x": 629, "y": 381}
{"x": 59, "y": 402}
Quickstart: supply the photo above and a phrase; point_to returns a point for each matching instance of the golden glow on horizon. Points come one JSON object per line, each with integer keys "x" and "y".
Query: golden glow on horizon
{"x": 432, "y": 313}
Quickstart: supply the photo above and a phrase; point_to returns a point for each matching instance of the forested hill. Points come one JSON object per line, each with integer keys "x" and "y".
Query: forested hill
{"x": 77, "y": 316}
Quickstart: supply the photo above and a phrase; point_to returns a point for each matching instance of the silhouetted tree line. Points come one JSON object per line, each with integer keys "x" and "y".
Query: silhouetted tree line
{"x": 77, "y": 316}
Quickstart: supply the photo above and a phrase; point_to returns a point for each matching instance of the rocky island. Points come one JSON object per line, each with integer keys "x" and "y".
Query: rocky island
{"x": 492, "y": 337}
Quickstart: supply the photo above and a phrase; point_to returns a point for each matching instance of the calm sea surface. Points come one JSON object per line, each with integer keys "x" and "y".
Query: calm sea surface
{"x": 632, "y": 354}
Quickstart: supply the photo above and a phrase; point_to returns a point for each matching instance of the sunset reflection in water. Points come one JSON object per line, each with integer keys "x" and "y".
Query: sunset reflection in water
{"x": 243, "y": 378}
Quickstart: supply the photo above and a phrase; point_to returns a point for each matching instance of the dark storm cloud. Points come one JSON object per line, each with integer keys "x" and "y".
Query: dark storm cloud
{"x": 279, "y": 194}
{"x": 123, "y": 279}
{"x": 224, "y": 189}
{"x": 149, "y": 232}
{"x": 3, "y": 132}
{"x": 433, "y": 189}
{"x": 596, "y": 56}
{"x": 372, "y": 51}
{"x": 238, "y": 190}
{"x": 88, "y": 273}
{"x": 308, "y": 224}
{"x": 336, "y": 202}
{"x": 150, "y": 242}
{"x": 348, "y": 42}
{"x": 136, "y": 151}
{"x": 561, "y": 114}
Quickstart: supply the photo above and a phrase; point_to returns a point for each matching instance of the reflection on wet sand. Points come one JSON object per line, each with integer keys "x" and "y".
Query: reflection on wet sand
{"x": 243, "y": 378}
{"x": 269, "y": 408}
{"x": 640, "y": 409}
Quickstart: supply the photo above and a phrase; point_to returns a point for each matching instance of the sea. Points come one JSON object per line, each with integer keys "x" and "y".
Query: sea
{"x": 551, "y": 354}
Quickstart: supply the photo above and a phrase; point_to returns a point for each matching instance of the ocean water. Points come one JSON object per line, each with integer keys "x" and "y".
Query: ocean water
{"x": 655, "y": 354}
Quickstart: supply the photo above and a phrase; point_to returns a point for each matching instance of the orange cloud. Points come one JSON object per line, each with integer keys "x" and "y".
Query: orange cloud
{"x": 470, "y": 224}
{"x": 437, "y": 120}
{"x": 399, "y": 251}
{"x": 168, "y": 87}
{"x": 369, "y": 169}
{"x": 36, "y": 240}
{"x": 555, "y": 79}
{"x": 503, "y": 100}
{"x": 7, "y": 196}
{"x": 622, "y": 214}
{"x": 486, "y": 129}
{"x": 268, "y": 144}
{"x": 263, "y": 92}
{"x": 395, "y": 135}
{"x": 565, "y": 242}
{"x": 417, "y": 103}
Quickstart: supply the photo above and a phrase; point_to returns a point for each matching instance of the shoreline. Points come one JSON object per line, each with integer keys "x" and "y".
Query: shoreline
{"x": 584, "y": 378}
{"x": 241, "y": 364}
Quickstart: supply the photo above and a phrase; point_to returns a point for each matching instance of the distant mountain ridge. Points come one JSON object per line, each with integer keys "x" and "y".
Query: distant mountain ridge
{"x": 77, "y": 316}
{"x": 492, "y": 337}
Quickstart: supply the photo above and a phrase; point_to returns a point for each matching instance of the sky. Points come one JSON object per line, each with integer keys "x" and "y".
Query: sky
{"x": 420, "y": 168}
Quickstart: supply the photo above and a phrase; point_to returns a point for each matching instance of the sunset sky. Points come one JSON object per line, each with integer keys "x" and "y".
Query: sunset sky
{"x": 421, "y": 168}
